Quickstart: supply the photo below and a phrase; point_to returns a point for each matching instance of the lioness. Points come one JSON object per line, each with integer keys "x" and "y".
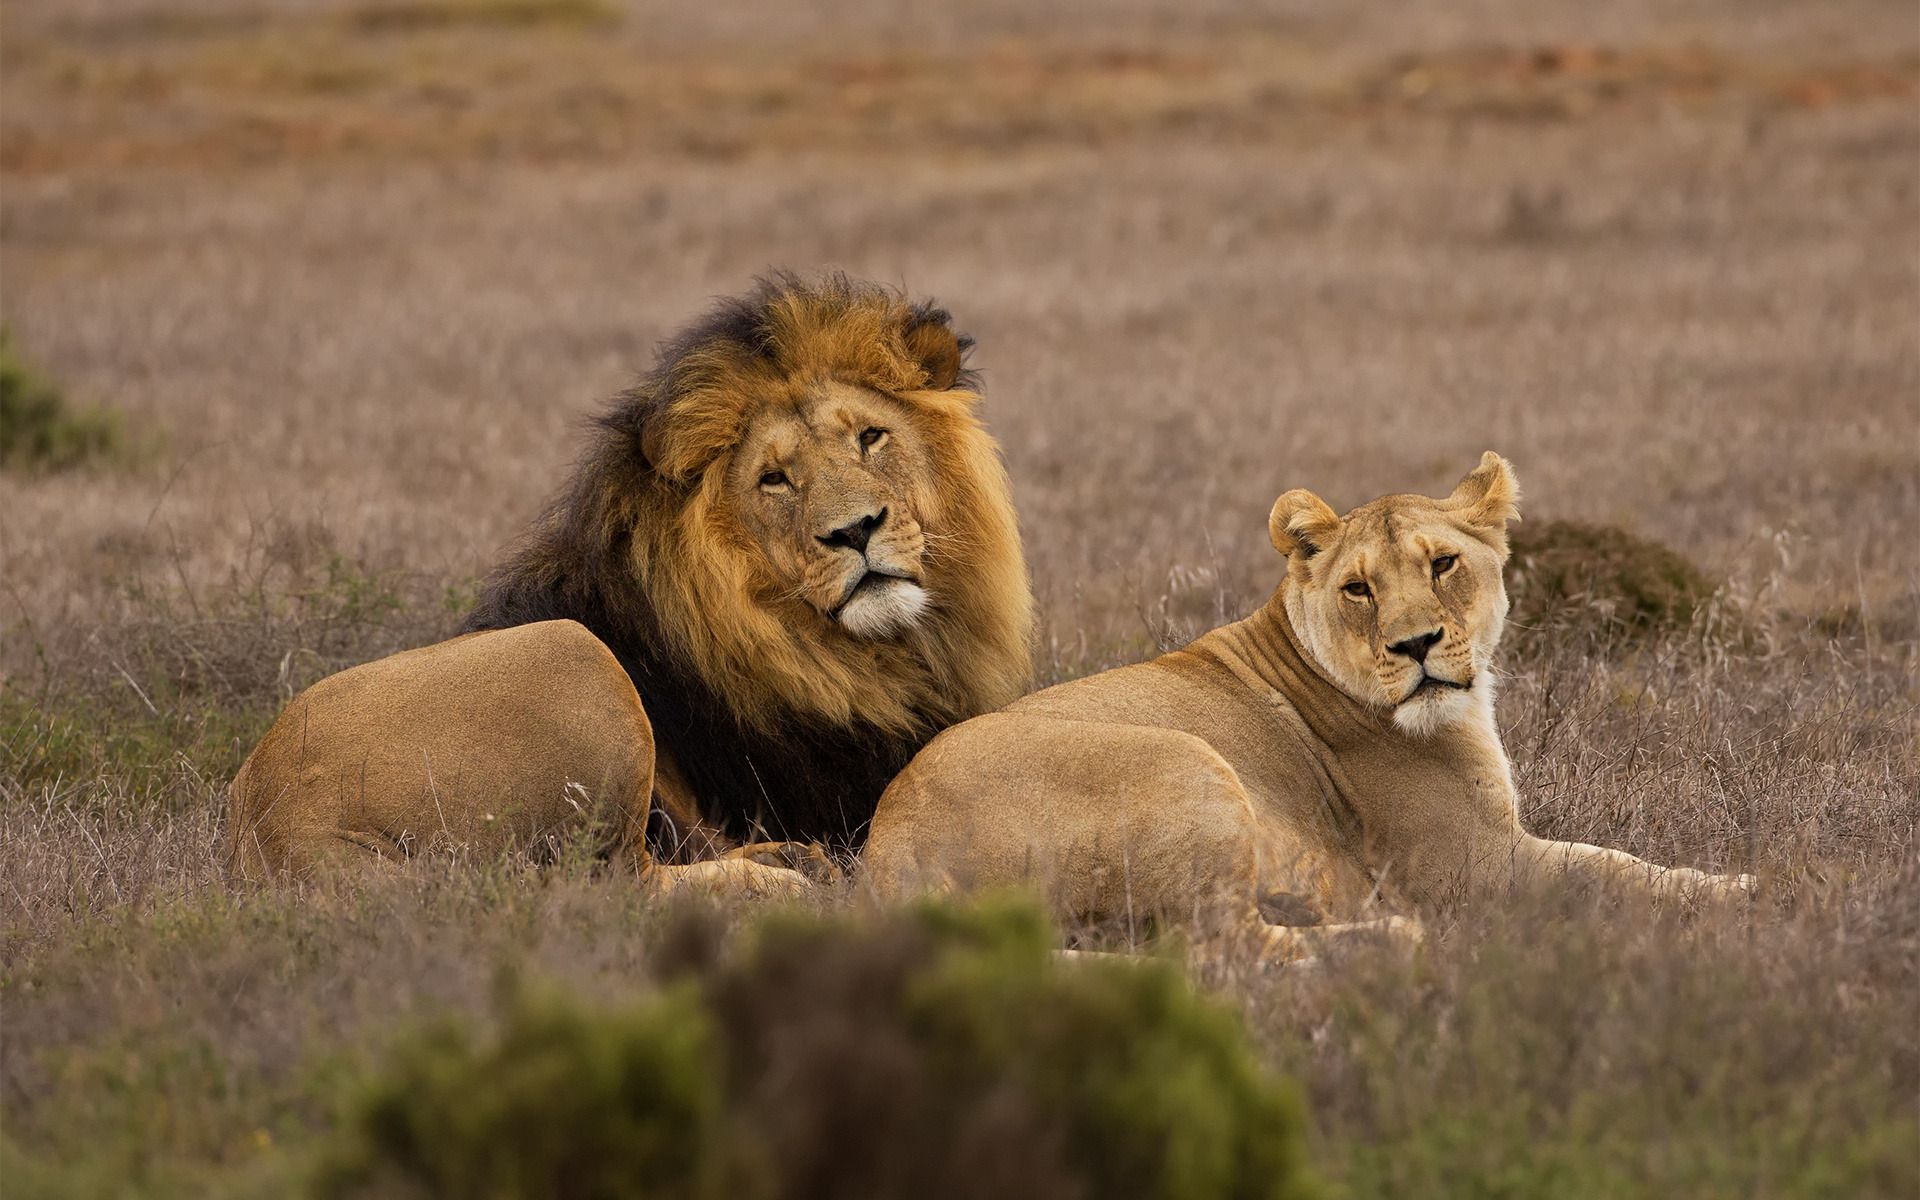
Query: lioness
{"x": 1291, "y": 765}
{"x": 787, "y": 560}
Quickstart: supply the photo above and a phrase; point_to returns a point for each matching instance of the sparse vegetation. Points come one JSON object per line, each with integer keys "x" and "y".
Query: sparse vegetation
{"x": 1476, "y": 1072}
{"x": 169, "y": 1034}
{"x": 409, "y": 15}
{"x": 1637, "y": 250}
{"x": 445, "y": 80}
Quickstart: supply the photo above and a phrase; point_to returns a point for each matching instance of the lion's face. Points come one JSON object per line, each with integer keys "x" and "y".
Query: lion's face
{"x": 819, "y": 525}
{"x": 828, "y": 485}
{"x": 1401, "y": 601}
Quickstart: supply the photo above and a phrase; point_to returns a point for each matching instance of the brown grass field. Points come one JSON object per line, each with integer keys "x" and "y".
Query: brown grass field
{"x": 352, "y": 275}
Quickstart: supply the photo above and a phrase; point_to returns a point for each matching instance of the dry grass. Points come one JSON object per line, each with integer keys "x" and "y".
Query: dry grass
{"x": 368, "y": 266}
{"x": 435, "y": 81}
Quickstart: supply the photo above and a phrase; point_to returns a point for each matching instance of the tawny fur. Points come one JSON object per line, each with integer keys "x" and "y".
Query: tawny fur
{"x": 468, "y": 745}
{"x": 1335, "y": 749}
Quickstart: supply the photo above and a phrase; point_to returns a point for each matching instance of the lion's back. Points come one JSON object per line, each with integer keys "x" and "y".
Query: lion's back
{"x": 485, "y": 739}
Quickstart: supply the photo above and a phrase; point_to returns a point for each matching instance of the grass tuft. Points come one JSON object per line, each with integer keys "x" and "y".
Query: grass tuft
{"x": 39, "y": 430}
{"x": 1601, "y": 585}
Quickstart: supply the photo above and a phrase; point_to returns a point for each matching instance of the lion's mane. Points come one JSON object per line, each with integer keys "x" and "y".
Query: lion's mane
{"x": 782, "y": 725}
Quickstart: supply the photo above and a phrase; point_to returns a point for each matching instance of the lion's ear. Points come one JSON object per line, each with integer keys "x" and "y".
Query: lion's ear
{"x": 1490, "y": 496}
{"x": 638, "y": 422}
{"x": 681, "y": 440}
{"x": 1302, "y": 524}
{"x": 652, "y": 440}
{"x": 937, "y": 349}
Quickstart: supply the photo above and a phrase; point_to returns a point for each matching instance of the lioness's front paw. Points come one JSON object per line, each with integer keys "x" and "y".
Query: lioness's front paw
{"x": 1283, "y": 943}
{"x": 1700, "y": 887}
{"x": 1735, "y": 887}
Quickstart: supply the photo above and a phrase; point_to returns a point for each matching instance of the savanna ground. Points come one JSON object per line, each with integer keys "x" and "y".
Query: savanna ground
{"x": 348, "y": 277}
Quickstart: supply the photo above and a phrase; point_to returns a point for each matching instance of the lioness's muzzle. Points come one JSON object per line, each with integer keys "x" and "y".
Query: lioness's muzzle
{"x": 1434, "y": 683}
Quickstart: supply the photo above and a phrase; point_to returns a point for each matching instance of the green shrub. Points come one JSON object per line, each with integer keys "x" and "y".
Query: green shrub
{"x": 1600, "y": 584}
{"x": 412, "y": 16}
{"x": 37, "y": 428}
{"x": 568, "y": 1101}
{"x": 933, "y": 1054}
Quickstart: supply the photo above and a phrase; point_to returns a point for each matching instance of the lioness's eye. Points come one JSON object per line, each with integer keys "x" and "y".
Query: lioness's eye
{"x": 1443, "y": 564}
{"x": 1357, "y": 590}
{"x": 773, "y": 479}
{"x": 872, "y": 436}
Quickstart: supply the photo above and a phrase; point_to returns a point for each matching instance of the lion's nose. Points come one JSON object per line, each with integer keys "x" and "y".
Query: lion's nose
{"x": 854, "y": 534}
{"x": 1416, "y": 648}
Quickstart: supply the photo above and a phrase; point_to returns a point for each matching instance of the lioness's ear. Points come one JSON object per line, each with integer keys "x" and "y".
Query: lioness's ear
{"x": 1302, "y": 524}
{"x": 937, "y": 349}
{"x": 1490, "y": 496}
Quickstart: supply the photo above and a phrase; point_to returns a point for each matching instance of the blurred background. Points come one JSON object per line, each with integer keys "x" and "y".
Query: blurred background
{"x": 350, "y": 275}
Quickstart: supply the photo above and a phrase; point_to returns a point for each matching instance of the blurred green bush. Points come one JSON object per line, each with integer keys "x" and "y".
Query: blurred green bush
{"x": 38, "y": 430}
{"x": 943, "y": 1052}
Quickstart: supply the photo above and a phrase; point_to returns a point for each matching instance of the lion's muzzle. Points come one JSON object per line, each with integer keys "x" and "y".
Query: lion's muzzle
{"x": 875, "y": 561}
{"x": 881, "y": 605}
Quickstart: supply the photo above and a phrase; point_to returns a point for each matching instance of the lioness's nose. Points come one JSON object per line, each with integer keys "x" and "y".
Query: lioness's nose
{"x": 854, "y": 534}
{"x": 1416, "y": 648}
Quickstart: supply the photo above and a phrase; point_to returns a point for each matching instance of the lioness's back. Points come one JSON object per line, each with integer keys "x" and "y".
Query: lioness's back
{"x": 1171, "y": 691}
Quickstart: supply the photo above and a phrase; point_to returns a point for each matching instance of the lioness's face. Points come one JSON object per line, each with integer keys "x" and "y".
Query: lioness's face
{"x": 828, "y": 487}
{"x": 1401, "y": 601}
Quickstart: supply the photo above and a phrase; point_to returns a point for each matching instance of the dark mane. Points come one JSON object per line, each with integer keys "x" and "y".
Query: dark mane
{"x": 804, "y": 779}
{"x": 741, "y": 324}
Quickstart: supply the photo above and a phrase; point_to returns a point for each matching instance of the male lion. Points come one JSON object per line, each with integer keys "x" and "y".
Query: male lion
{"x": 794, "y": 549}
{"x": 1288, "y": 765}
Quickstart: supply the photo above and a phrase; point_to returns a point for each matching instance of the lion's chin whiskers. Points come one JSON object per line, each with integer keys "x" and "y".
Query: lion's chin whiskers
{"x": 882, "y": 605}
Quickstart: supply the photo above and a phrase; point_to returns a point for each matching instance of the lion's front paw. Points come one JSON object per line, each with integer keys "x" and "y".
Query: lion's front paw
{"x": 1404, "y": 930}
{"x": 808, "y": 858}
{"x": 731, "y": 877}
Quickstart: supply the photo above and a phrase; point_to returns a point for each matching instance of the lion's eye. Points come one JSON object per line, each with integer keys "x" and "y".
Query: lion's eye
{"x": 872, "y": 436}
{"x": 774, "y": 479}
{"x": 1358, "y": 590}
{"x": 1443, "y": 564}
